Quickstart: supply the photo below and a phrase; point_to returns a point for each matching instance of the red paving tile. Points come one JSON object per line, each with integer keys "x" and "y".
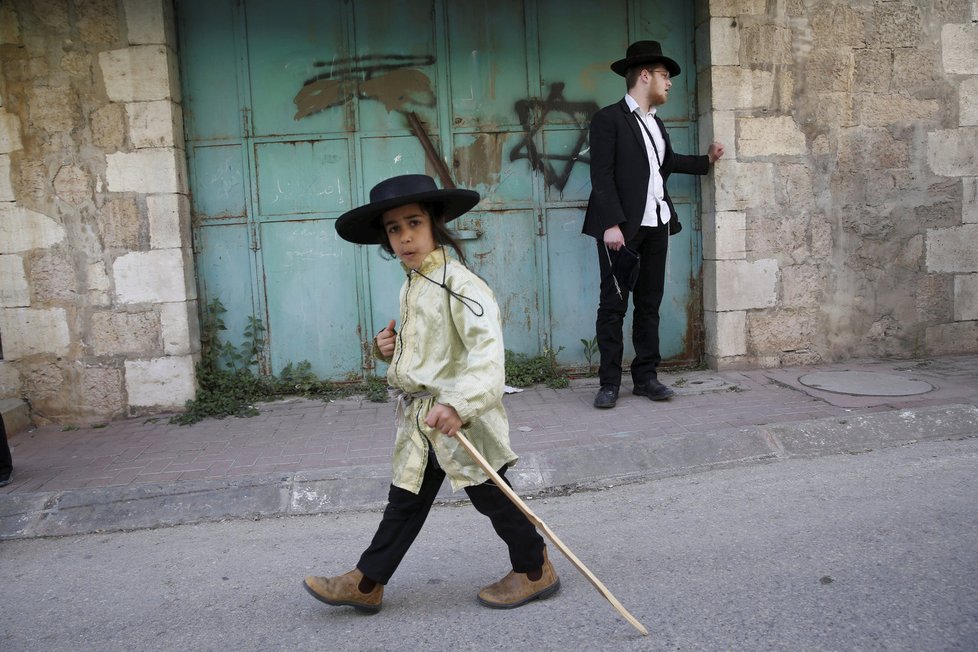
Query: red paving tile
{"x": 303, "y": 435}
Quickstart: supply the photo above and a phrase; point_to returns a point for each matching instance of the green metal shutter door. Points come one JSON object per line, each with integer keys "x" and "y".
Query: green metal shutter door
{"x": 294, "y": 110}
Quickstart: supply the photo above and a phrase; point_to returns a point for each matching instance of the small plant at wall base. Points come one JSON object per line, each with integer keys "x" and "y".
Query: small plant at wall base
{"x": 523, "y": 370}
{"x": 248, "y": 353}
{"x": 232, "y": 388}
{"x": 590, "y": 350}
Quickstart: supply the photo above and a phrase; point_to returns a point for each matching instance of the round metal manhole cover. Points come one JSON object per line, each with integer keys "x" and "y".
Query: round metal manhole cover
{"x": 864, "y": 383}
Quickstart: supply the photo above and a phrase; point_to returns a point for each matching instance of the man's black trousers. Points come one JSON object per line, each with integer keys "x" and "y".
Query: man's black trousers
{"x": 651, "y": 244}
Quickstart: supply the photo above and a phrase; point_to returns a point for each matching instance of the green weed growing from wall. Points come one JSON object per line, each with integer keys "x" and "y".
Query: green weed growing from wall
{"x": 228, "y": 384}
{"x": 590, "y": 352}
{"x": 523, "y": 370}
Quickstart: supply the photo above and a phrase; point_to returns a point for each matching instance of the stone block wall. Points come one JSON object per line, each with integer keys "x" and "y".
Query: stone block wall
{"x": 842, "y": 221}
{"x": 97, "y": 303}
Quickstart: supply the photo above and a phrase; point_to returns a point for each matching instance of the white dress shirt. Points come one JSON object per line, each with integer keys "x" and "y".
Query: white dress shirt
{"x": 656, "y": 208}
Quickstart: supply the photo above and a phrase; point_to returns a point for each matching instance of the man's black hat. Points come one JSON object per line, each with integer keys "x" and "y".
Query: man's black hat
{"x": 363, "y": 226}
{"x": 644, "y": 52}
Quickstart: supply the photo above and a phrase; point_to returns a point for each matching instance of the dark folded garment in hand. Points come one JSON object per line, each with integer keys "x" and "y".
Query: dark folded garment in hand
{"x": 624, "y": 265}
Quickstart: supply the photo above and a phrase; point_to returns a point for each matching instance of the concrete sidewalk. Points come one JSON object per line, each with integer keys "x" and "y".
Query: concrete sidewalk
{"x": 305, "y": 456}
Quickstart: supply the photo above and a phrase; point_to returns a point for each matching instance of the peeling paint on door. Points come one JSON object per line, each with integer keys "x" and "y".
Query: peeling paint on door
{"x": 389, "y": 79}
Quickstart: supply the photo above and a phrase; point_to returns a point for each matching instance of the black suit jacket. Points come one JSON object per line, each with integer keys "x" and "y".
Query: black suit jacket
{"x": 620, "y": 172}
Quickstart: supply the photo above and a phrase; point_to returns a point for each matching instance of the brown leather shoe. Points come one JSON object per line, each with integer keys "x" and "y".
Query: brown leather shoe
{"x": 517, "y": 589}
{"x": 344, "y": 590}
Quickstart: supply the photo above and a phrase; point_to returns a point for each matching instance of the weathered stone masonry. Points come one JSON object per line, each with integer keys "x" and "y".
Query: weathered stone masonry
{"x": 843, "y": 220}
{"x": 97, "y": 303}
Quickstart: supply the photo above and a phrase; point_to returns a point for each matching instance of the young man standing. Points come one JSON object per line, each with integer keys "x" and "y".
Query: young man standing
{"x": 630, "y": 208}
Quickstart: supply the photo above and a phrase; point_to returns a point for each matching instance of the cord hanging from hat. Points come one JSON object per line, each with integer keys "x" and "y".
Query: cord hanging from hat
{"x": 444, "y": 277}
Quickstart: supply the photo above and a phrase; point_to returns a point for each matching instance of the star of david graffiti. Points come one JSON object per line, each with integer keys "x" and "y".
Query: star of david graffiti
{"x": 533, "y": 114}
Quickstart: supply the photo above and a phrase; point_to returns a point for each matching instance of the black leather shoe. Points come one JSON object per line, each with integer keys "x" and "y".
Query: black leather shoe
{"x": 606, "y": 397}
{"x": 653, "y": 389}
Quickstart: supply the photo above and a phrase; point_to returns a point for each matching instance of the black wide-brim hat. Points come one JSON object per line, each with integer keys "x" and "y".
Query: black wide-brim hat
{"x": 363, "y": 226}
{"x": 644, "y": 52}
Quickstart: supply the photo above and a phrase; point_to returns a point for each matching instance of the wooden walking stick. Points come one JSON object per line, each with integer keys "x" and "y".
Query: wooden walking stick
{"x": 516, "y": 500}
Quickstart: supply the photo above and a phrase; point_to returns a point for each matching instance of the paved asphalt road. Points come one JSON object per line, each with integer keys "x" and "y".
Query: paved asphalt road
{"x": 846, "y": 552}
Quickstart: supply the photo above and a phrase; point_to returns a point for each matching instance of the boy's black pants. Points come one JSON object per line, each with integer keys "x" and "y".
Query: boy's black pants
{"x": 406, "y": 513}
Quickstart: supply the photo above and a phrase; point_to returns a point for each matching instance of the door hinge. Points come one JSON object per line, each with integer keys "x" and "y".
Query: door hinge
{"x": 246, "y": 122}
{"x": 255, "y": 244}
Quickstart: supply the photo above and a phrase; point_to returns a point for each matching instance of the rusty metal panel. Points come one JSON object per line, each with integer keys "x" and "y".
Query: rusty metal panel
{"x": 385, "y": 277}
{"x": 211, "y": 107}
{"x": 383, "y": 157}
{"x": 298, "y": 71}
{"x": 311, "y": 298}
{"x": 681, "y": 330}
{"x": 578, "y": 40}
{"x": 486, "y": 162}
{"x": 681, "y": 323}
{"x": 224, "y": 269}
{"x": 395, "y": 61}
{"x": 572, "y": 282}
{"x": 682, "y": 187}
{"x": 297, "y": 177}
{"x": 500, "y": 248}
{"x": 218, "y": 181}
{"x": 489, "y": 67}
{"x": 670, "y": 23}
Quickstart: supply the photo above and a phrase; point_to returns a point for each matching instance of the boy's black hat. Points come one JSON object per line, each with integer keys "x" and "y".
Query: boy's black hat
{"x": 362, "y": 225}
{"x": 644, "y": 52}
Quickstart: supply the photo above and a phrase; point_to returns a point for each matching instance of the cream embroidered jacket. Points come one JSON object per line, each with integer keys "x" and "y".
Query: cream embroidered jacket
{"x": 444, "y": 349}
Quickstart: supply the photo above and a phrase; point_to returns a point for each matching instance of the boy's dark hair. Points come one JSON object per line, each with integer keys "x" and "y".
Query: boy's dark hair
{"x": 439, "y": 232}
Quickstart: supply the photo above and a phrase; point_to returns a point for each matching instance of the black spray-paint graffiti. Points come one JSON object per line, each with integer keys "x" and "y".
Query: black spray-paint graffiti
{"x": 533, "y": 114}
{"x": 391, "y": 79}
